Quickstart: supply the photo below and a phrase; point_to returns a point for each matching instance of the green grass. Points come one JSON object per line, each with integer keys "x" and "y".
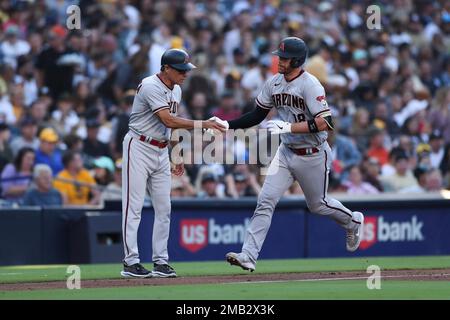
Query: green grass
{"x": 352, "y": 289}
{"x": 12, "y": 274}
{"x": 349, "y": 289}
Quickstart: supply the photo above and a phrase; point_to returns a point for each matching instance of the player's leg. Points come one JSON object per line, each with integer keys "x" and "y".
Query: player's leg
{"x": 159, "y": 187}
{"x": 134, "y": 180}
{"x": 312, "y": 174}
{"x": 275, "y": 185}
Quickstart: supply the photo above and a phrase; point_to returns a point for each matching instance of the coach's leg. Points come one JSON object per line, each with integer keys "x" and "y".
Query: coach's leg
{"x": 159, "y": 188}
{"x": 134, "y": 180}
{"x": 312, "y": 174}
{"x": 276, "y": 183}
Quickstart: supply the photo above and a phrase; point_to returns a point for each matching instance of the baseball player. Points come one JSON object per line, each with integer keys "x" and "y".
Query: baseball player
{"x": 146, "y": 164}
{"x": 304, "y": 154}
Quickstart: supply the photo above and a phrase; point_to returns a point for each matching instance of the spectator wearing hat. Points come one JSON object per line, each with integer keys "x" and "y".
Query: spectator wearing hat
{"x": 436, "y": 143}
{"x": 12, "y": 47}
{"x": 50, "y": 72}
{"x": 103, "y": 170}
{"x": 28, "y": 136}
{"x": 47, "y": 152}
{"x": 76, "y": 183}
{"x": 246, "y": 184}
{"x": 43, "y": 194}
{"x": 113, "y": 190}
{"x": 227, "y": 109}
{"x": 241, "y": 182}
{"x": 402, "y": 178}
{"x": 92, "y": 146}
{"x": 208, "y": 186}
{"x": 6, "y": 154}
{"x": 16, "y": 176}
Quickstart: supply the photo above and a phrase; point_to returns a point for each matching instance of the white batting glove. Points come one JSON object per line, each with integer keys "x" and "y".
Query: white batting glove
{"x": 278, "y": 127}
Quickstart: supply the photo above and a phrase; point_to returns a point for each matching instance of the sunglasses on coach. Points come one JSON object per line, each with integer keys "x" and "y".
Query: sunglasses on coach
{"x": 181, "y": 71}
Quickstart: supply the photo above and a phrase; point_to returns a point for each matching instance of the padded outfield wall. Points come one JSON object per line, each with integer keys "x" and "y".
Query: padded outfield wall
{"x": 207, "y": 230}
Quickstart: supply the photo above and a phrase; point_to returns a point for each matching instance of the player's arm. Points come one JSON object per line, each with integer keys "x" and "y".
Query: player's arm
{"x": 249, "y": 119}
{"x": 175, "y": 122}
{"x": 320, "y": 123}
{"x": 315, "y": 125}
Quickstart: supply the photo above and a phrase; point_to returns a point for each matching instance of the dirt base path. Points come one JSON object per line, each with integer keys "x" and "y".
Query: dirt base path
{"x": 416, "y": 275}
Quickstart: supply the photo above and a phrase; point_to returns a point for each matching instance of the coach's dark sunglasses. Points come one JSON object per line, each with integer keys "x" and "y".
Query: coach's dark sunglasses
{"x": 181, "y": 71}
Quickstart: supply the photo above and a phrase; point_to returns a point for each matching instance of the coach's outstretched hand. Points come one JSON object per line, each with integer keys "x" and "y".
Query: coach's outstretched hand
{"x": 222, "y": 123}
{"x": 278, "y": 127}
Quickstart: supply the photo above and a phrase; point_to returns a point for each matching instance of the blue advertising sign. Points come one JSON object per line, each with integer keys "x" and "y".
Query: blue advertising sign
{"x": 386, "y": 233}
{"x": 208, "y": 235}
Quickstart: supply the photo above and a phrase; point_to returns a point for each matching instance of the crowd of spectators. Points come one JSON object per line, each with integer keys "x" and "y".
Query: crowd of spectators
{"x": 65, "y": 95}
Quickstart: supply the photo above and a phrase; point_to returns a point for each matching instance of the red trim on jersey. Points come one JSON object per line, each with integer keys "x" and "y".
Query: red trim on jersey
{"x": 262, "y": 105}
{"x": 301, "y": 72}
{"x": 128, "y": 197}
{"x": 163, "y": 82}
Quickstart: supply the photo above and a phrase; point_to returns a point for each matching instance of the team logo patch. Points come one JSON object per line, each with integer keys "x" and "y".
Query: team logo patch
{"x": 322, "y": 100}
{"x": 282, "y": 46}
{"x": 186, "y": 60}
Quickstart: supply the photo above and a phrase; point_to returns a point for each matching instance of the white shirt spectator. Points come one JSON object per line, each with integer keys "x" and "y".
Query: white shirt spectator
{"x": 7, "y": 111}
{"x": 14, "y": 49}
{"x": 436, "y": 158}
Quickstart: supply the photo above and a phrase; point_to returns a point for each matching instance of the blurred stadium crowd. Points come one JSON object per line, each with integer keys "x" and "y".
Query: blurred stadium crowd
{"x": 65, "y": 95}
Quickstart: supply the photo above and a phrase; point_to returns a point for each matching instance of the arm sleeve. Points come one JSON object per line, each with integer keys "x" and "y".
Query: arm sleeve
{"x": 316, "y": 102}
{"x": 249, "y": 119}
{"x": 154, "y": 97}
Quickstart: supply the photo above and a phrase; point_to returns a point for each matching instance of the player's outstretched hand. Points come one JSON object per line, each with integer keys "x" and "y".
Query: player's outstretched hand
{"x": 215, "y": 125}
{"x": 278, "y": 127}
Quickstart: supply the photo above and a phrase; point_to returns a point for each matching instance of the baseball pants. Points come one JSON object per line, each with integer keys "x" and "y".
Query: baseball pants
{"x": 145, "y": 167}
{"x": 311, "y": 172}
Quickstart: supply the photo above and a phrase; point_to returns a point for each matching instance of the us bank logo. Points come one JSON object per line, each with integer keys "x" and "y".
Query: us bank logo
{"x": 196, "y": 234}
{"x": 377, "y": 229}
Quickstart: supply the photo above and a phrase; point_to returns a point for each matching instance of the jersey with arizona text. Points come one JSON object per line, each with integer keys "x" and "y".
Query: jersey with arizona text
{"x": 151, "y": 97}
{"x": 301, "y": 99}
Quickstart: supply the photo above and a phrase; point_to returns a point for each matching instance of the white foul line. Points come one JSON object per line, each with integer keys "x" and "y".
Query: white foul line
{"x": 337, "y": 279}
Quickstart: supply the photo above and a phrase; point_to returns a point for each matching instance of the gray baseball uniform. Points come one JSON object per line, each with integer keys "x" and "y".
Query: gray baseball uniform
{"x": 301, "y": 99}
{"x": 147, "y": 166}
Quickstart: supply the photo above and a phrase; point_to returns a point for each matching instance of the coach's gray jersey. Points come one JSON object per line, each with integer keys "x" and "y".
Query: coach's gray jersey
{"x": 151, "y": 97}
{"x": 301, "y": 99}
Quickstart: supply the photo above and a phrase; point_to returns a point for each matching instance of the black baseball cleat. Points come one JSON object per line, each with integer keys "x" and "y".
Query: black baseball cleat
{"x": 135, "y": 271}
{"x": 163, "y": 271}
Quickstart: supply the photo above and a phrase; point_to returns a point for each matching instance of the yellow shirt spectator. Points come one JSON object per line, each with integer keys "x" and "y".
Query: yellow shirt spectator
{"x": 76, "y": 194}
